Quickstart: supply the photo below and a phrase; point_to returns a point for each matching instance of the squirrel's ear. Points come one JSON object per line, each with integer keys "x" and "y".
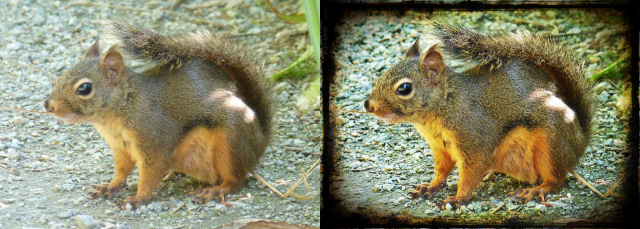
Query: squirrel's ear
{"x": 414, "y": 50}
{"x": 94, "y": 50}
{"x": 432, "y": 64}
{"x": 112, "y": 65}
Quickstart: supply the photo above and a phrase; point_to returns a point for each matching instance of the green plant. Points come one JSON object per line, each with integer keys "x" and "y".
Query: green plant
{"x": 311, "y": 93}
{"x": 311, "y": 10}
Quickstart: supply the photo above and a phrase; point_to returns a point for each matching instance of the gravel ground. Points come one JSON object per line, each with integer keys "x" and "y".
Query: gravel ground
{"x": 47, "y": 167}
{"x": 375, "y": 162}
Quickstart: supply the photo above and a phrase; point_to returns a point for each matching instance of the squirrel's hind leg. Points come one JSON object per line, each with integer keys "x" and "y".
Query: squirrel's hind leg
{"x": 228, "y": 169}
{"x": 550, "y": 172}
{"x": 231, "y": 183}
{"x": 217, "y": 193}
{"x": 536, "y": 193}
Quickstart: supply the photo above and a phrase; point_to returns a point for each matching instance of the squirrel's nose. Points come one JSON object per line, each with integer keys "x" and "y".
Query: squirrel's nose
{"x": 368, "y": 107}
{"x": 48, "y": 107}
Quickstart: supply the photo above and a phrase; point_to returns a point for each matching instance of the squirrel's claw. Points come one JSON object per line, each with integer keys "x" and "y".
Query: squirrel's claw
{"x": 422, "y": 190}
{"x": 131, "y": 200}
{"x": 104, "y": 190}
{"x": 203, "y": 196}
{"x": 453, "y": 201}
{"x": 524, "y": 196}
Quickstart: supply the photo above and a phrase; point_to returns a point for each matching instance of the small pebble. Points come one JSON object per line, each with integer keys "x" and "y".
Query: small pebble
{"x": 298, "y": 142}
{"x": 156, "y": 15}
{"x": 86, "y": 221}
{"x": 68, "y": 187}
{"x": 20, "y": 120}
{"x": 15, "y": 172}
{"x": 14, "y": 154}
{"x": 14, "y": 46}
{"x": 219, "y": 209}
{"x": 65, "y": 215}
{"x": 388, "y": 187}
{"x": 413, "y": 33}
{"x": 238, "y": 204}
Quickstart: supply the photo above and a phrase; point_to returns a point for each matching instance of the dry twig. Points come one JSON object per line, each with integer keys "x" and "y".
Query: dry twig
{"x": 39, "y": 170}
{"x": 497, "y": 208}
{"x": 595, "y": 190}
{"x": 290, "y": 191}
{"x": 16, "y": 109}
{"x": 610, "y": 191}
{"x": 177, "y": 208}
{"x": 585, "y": 182}
{"x": 336, "y": 109}
{"x": 304, "y": 175}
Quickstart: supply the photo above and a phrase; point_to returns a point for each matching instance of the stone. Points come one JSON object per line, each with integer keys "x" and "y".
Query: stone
{"x": 86, "y": 221}
{"x": 14, "y": 154}
{"x": 65, "y": 215}
{"x": 20, "y": 120}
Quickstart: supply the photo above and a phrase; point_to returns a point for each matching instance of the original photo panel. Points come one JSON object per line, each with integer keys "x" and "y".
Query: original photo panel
{"x": 160, "y": 114}
{"x": 479, "y": 117}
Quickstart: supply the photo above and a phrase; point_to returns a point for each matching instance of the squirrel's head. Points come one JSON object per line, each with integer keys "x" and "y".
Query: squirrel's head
{"x": 409, "y": 87}
{"x": 89, "y": 87}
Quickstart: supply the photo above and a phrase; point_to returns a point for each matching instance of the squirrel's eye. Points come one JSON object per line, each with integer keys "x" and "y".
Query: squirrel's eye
{"x": 404, "y": 89}
{"x": 84, "y": 89}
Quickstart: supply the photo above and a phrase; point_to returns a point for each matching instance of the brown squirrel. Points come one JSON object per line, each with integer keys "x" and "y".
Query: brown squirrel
{"x": 204, "y": 110}
{"x": 525, "y": 110}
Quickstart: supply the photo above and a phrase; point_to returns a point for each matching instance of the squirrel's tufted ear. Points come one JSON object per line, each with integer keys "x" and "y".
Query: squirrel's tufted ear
{"x": 432, "y": 64}
{"x": 94, "y": 50}
{"x": 112, "y": 65}
{"x": 414, "y": 50}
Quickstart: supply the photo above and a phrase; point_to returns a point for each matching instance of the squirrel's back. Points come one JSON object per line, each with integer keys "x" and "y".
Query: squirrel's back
{"x": 172, "y": 52}
{"x": 560, "y": 65}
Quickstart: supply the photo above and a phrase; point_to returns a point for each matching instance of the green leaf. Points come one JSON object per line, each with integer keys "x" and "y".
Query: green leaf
{"x": 312, "y": 13}
{"x": 302, "y": 58}
{"x": 294, "y": 18}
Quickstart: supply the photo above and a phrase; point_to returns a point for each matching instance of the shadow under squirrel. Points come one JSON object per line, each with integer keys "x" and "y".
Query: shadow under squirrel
{"x": 204, "y": 110}
{"x": 525, "y": 110}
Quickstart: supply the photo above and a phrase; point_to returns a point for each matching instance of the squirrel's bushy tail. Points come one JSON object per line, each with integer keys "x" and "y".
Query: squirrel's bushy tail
{"x": 239, "y": 64}
{"x": 561, "y": 66}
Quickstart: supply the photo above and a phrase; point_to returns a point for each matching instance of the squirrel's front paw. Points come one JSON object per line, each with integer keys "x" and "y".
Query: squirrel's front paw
{"x": 453, "y": 201}
{"x": 424, "y": 189}
{"x": 131, "y": 200}
{"x": 104, "y": 190}
{"x": 203, "y": 196}
{"x": 526, "y": 195}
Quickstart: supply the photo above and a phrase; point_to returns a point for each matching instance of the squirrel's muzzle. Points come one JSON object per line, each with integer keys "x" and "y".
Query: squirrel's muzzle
{"x": 368, "y": 106}
{"x": 49, "y": 107}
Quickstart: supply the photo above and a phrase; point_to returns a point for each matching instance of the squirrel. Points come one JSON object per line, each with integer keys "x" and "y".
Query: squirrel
{"x": 204, "y": 109}
{"x": 525, "y": 110}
